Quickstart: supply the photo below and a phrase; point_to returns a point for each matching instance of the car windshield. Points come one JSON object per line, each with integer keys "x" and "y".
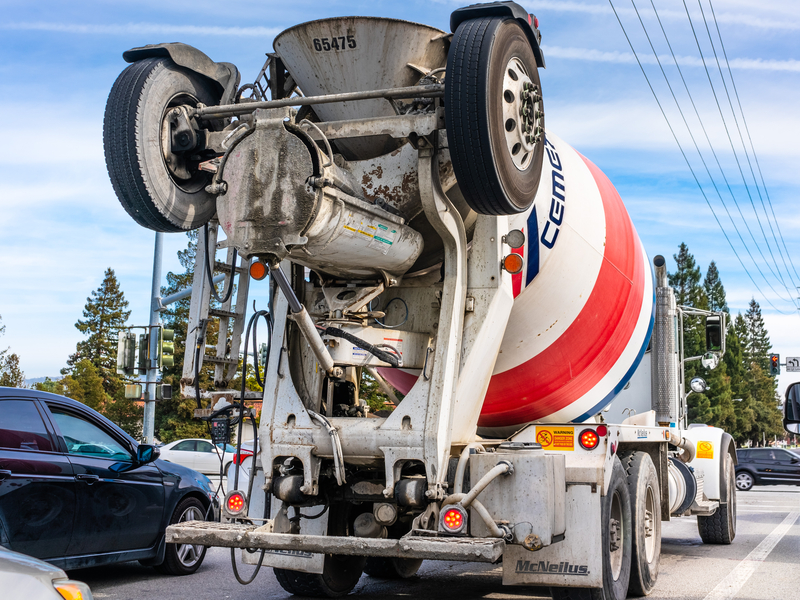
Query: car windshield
{"x": 229, "y": 449}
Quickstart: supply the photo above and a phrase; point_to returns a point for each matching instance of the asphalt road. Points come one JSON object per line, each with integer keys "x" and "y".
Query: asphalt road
{"x": 763, "y": 563}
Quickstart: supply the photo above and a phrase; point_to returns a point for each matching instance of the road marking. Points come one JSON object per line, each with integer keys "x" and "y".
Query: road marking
{"x": 730, "y": 586}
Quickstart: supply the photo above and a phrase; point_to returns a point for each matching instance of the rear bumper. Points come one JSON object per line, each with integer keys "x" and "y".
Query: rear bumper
{"x": 231, "y": 535}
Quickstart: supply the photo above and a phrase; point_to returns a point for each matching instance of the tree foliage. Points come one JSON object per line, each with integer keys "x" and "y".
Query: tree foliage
{"x": 11, "y": 374}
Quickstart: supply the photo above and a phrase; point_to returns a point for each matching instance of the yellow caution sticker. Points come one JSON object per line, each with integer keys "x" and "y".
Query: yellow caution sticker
{"x": 705, "y": 450}
{"x": 556, "y": 438}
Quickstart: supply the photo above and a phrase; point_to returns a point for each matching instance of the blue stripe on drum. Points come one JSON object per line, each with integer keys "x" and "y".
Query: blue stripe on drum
{"x": 624, "y": 381}
{"x": 533, "y": 246}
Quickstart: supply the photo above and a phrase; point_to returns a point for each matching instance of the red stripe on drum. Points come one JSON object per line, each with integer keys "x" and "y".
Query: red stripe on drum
{"x": 590, "y": 347}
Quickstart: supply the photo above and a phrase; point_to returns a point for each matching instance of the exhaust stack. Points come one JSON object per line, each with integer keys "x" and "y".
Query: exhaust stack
{"x": 665, "y": 358}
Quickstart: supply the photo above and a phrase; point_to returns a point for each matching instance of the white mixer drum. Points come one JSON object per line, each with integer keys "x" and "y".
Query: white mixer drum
{"x": 583, "y": 308}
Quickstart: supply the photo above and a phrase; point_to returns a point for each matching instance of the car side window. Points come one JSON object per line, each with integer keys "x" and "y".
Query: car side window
{"x": 205, "y": 447}
{"x": 185, "y": 446}
{"x": 784, "y": 455}
{"x": 743, "y": 454}
{"x": 22, "y": 427}
{"x": 87, "y": 439}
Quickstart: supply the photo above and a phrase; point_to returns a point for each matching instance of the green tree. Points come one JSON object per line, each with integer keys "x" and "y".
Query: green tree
{"x": 104, "y": 315}
{"x": 714, "y": 290}
{"x": 85, "y": 385}
{"x": 758, "y": 345}
{"x": 48, "y": 385}
{"x": 11, "y": 374}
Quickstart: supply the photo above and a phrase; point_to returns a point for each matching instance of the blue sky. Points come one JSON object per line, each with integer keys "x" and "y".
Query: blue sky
{"x": 62, "y": 226}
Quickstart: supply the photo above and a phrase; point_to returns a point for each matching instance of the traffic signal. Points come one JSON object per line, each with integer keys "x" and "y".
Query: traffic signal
{"x": 143, "y": 364}
{"x": 774, "y": 364}
{"x": 166, "y": 347}
{"x": 126, "y": 353}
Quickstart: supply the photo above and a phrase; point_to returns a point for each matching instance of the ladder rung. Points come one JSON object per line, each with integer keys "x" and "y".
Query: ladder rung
{"x": 213, "y": 312}
{"x": 221, "y": 361}
{"x": 226, "y": 268}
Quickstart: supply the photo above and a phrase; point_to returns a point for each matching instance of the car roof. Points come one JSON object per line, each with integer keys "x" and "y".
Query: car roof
{"x": 9, "y": 392}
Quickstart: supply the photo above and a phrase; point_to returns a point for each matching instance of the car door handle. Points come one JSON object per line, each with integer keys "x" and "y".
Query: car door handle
{"x": 4, "y": 473}
{"x": 90, "y": 479}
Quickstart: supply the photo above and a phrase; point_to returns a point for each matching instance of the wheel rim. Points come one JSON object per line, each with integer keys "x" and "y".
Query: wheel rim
{"x": 522, "y": 114}
{"x": 744, "y": 481}
{"x": 650, "y": 525}
{"x": 616, "y": 536}
{"x": 190, "y": 554}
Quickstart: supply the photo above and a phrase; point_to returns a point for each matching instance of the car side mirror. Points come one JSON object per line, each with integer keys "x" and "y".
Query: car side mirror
{"x": 145, "y": 453}
{"x": 791, "y": 409}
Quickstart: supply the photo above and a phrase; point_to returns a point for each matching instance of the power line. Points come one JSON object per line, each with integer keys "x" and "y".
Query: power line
{"x": 741, "y": 138}
{"x": 694, "y": 141}
{"x": 752, "y": 147}
{"x": 733, "y": 149}
{"x": 688, "y": 163}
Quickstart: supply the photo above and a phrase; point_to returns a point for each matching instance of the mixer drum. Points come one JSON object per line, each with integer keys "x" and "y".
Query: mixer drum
{"x": 583, "y": 308}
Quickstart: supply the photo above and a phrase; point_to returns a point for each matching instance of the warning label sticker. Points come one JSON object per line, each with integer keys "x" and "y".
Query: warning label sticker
{"x": 556, "y": 438}
{"x": 705, "y": 450}
{"x": 383, "y": 238}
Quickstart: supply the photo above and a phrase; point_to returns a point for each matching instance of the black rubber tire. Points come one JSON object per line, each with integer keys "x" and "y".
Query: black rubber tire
{"x": 188, "y": 509}
{"x": 483, "y": 165}
{"x": 746, "y": 484}
{"x": 613, "y": 588}
{"x": 720, "y": 528}
{"x": 392, "y": 568}
{"x": 339, "y": 576}
{"x": 644, "y": 489}
{"x": 144, "y": 185}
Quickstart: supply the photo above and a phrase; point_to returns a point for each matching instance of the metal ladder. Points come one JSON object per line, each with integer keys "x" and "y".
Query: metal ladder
{"x": 225, "y": 356}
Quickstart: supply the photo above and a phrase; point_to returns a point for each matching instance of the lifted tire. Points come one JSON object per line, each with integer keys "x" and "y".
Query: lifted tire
{"x": 494, "y": 116}
{"x": 339, "y": 576}
{"x": 392, "y": 568}
{"x": 162, "y": 191}
{"x": 720, "y": 528}
{"x": 645, "y": 521}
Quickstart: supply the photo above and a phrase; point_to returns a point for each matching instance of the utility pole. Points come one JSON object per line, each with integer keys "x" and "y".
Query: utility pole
{"x": 148, "y": 425}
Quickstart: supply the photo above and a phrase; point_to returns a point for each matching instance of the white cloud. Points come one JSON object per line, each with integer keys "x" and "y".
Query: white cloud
{"x": 139, "y": 29}
{"x": 628, "y": 58}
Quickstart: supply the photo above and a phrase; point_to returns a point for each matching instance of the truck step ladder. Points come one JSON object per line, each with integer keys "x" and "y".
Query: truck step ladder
{"x": 230, "y": 314}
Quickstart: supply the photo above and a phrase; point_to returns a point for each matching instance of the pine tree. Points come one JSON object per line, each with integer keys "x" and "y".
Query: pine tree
{"x": 104, "y": 315}
{"x": 686, "y": 279}
{"x": 758, "y": 344}
{"x": 715, "y": 292}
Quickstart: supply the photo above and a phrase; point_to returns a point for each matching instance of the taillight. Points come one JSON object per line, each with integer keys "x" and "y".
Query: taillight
{"x": 245, "y": 454}
{"x": 235, "y": 503}
{"x": 453, "y": 520}
{"x": 602, "y": 430}
{"x": 589, "y": 439}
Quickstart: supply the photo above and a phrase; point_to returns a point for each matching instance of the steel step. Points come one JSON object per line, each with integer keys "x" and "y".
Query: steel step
{"x": 234, "y": 535}
{"x": 214, "y": 312}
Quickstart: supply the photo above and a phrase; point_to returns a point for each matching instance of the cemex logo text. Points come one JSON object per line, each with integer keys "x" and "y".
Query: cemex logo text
{"x": 564, "y": 568}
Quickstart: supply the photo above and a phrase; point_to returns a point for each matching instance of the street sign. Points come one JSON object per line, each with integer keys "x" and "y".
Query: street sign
{"x": 793, "y": 364}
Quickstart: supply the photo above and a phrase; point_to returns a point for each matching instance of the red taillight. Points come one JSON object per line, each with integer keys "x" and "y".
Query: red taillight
{"x": 453, "y": 520}
{"x": 602, "y": 430}
{"x": 235, "y": 503}
{"x": 245, "y": 454}
{"x": 589, "y": 439}
{"x": 536, "y": 22}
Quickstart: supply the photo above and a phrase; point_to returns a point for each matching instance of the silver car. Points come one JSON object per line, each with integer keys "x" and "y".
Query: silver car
{"x": 23, "y": 576}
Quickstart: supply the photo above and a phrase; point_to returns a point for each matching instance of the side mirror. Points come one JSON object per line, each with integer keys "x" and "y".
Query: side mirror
{"x": 698, "y": 385}
{"x": 710, "y": 361}
{"x": 715, "y": 333}
{"x": 146, "y": 453}
{"x": 791, "y": 409}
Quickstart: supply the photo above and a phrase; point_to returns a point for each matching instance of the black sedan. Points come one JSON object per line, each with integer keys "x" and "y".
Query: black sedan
{"x": 766, "y": 466}
{"x": 78, "y": 491}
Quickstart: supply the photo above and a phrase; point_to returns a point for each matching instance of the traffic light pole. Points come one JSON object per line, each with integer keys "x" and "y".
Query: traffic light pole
{"x": 148, "y": 425}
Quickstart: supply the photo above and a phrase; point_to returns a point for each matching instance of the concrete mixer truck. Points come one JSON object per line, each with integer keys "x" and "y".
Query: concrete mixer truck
{"x": 419, "y": 222}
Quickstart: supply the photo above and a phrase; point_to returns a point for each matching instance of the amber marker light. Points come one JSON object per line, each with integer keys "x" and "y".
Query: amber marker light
{"x": 258, "y": 270}
{"x": 513, "y": 263}
{"x": 589, "y": 439}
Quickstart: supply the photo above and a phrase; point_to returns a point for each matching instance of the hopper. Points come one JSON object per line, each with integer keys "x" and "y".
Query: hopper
{"x": 355, "y": 54}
